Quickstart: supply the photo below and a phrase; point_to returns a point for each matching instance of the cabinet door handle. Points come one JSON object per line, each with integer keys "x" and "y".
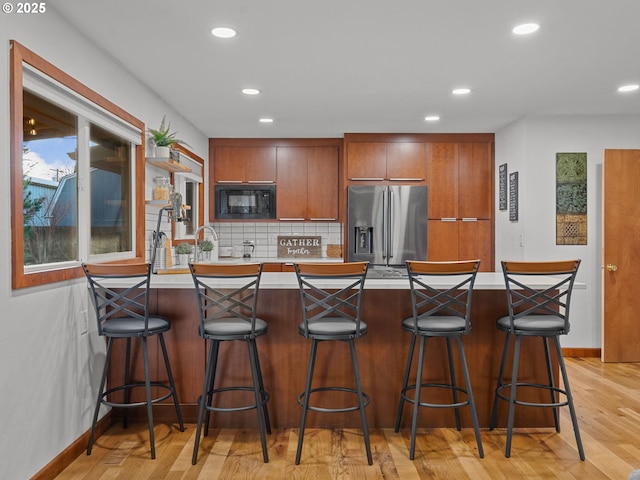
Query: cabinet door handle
{"x": 406, "y": 179}
{"x": 291, "y": 219}
{"x": 229, "y": 181}
{"x": 448, "y": 219}
{"x": 367, "y": 179}
{"x": 470, "y": 219}
{"x": 260, "y": 181}
{"x": 323, "y": 219}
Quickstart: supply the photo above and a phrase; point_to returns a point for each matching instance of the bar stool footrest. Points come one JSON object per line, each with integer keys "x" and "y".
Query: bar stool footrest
{"x": 435, "y": 405}
{"x": 265, "y": 398}
{"x": 533, "y": 404}
{"x": 366, "y": 398}
{"x": 130, "y": 386}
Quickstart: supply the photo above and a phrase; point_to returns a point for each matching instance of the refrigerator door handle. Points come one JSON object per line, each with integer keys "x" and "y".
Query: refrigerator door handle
{"x": 384, "y": 223}
{"x": 390, "y": 225}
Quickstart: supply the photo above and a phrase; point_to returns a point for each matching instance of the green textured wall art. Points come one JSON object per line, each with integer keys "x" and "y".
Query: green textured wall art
{"x": 571, "y": 198}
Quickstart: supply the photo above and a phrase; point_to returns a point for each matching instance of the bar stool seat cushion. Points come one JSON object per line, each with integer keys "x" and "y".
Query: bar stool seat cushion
{"x": 233, "y": 326}
{"x": 332, "y": 326}
{"x": 442, "y": 323}
{"x": 131, "y": 326}
{"x": 534, "y": 323}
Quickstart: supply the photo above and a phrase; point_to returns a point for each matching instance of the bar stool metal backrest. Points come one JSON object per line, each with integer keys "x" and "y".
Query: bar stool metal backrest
{"x": 227, "y": 299}
{"x": 441, "y": 294}
{"x": 537, "y": 310}
{"x": 331, "y": 296}
{"x": 120, "y": 294}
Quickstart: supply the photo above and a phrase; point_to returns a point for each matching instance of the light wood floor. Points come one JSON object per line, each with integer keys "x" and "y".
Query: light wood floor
{"x": 607, "y": 399}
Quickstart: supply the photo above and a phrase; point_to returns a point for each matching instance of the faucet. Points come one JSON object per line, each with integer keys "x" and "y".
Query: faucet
{"x": 196, "y": 253}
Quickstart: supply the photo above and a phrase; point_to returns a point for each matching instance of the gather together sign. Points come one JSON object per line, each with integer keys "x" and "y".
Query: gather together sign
{"x": 299, "y": 246}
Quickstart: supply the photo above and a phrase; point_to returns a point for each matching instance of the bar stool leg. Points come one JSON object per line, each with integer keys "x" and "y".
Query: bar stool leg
{"x": 103, "y": 380}
{"x": 203, "y": 400}
{"x": 567, "y": 389}
{"x": 416, "y": 399}
{"x": 261, "y": 383}
{"x": 171, "y": 381}
{"x": 147, "y": 387}
{"x": 305, "y": 401}
{"x": 363, "y": 416}
{"x": 405, "y": 381}
{"x": 552, "y": 391}
{"x": 259, "y": 399}
{"x": 494, "y": 410}
{"x": 472, "y": 403}
{"x": 127, "y": 381}
{"x": 452, "y": 374}
{"x": 512, "y": 397}
{"x": 215, "y": 348}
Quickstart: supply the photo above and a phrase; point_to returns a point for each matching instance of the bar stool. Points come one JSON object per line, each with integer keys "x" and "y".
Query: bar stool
{"x": 331, "y": 295}
{"x": 441, "y": 294}
{"x": 536, "y": 312}
{"x": 120, "y": 296}
{"x": 227, "y": 297}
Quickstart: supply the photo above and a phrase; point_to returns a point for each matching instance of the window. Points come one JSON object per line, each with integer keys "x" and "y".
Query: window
{"x": 190, "y": 186}
{"x": 74, "y": 158}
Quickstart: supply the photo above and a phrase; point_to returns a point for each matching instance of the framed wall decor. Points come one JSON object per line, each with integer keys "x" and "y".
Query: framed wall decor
{"x": 502, "y": 186}
{"x": 571, "y": 198}
{"x": 513, "y": 197}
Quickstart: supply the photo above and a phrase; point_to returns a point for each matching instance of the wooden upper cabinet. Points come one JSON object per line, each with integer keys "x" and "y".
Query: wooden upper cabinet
{"x": 475, "y": 180}
{"x": 390, "y": 161}
{"x": 322, "y": 193}
{"x": 442, "y": 180}
{"x": 244, "y": 165}
{"x": 291, "y": 192}
{"x": 406, "y": 162}
{"x": 307, "y": 183}
{"x": 367, "y": 161}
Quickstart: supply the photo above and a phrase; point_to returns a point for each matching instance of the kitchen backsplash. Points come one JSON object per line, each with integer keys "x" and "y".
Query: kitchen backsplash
{"x": 264, "y": 235}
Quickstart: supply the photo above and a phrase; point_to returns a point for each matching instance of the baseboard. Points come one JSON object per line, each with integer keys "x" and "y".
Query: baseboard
{"x": 581, "y": 352}
{"x": 69, "y": 454}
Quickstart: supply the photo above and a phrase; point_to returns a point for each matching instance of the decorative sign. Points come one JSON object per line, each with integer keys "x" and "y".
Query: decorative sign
{"x": 571, "y": 198}
{"x": 513, "y": 196}
{"x": 502, "y": 177}
{"x": 299, "y": 246}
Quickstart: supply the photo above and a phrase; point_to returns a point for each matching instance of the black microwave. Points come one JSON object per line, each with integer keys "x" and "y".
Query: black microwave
{"x": 245, "y": 201}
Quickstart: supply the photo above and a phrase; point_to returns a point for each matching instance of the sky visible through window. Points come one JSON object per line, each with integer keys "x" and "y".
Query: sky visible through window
{"x": 49, "y": 159}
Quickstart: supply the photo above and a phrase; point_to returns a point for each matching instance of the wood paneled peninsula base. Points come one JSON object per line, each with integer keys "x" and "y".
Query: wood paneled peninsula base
{"x": 381, "y": 355}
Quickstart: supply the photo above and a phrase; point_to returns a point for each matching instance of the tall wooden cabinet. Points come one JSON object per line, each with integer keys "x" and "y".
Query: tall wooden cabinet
{"x": 460, "y": 179}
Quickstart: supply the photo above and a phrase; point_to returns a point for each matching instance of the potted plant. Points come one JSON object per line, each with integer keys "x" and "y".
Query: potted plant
{"x": 183, "y": 251}
{"x": 163, "y": 139}
{"x": 206, "y": 246}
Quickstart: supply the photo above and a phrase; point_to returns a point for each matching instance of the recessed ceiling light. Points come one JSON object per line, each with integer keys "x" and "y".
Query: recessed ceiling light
{"x": 525, "y": 28}
{"x": 250, "y": 91}
{"x": 223, "y": 32}
{"x": 266, "y": 120}
{"x": 432, "y": 118}
{"x": 461, "y": 91}
{"x": 629, "y": 88}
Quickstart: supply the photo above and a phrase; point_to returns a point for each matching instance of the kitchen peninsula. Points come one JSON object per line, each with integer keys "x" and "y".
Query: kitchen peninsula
{"x": 381, "y": 353}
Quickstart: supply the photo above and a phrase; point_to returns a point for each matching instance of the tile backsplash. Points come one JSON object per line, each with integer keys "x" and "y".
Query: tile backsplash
{"x": 264, "y": 235}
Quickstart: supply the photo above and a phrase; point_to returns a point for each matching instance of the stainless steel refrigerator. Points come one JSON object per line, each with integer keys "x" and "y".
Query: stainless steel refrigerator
{"x": 387, "y": 225}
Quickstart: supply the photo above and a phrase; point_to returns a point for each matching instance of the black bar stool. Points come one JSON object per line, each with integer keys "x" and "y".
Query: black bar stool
{"x": 123, "y": 313}
{"x": 331, "y": 295}
{"x": 227, "y": 298}
{"x": 444, "y": 312}
{"x": 536, "y": 312}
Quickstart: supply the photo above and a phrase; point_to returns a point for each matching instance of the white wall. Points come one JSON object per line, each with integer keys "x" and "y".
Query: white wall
{"x": 529, "y": 146}
{"x": 48, "y": 370}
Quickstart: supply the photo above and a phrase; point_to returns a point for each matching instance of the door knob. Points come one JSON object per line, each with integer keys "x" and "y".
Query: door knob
{"x": 611, "y": 267}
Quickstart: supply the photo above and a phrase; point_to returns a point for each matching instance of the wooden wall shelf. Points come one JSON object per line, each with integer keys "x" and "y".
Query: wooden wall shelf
{"x": 168, "y": 164}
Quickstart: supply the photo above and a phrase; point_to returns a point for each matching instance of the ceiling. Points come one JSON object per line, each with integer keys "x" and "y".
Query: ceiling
{"x": 329, "y": 67}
